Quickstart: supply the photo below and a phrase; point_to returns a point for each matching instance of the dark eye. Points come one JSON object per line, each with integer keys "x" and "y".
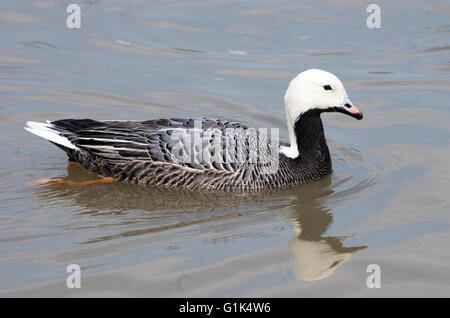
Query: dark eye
{"x": 327, "y": 87}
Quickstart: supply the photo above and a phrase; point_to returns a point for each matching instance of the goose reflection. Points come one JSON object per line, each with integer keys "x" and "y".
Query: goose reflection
{"x": 316, "y": 256}
{"x": 132, "y": 210}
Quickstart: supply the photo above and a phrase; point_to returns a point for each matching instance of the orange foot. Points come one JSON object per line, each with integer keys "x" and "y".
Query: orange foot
{"x": 69, "y": 182}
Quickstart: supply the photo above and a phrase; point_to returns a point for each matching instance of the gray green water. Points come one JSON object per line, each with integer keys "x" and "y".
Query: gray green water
{"x": 386, "y": 203}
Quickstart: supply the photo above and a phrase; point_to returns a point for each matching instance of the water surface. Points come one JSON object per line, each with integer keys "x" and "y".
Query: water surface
{"x": 386, "y": 202}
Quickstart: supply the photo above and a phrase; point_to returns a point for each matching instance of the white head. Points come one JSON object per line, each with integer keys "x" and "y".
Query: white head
{"x": 319, "y": 90}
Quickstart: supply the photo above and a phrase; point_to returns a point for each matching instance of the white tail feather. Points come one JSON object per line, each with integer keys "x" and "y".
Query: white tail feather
{"x": 45, "y": 130}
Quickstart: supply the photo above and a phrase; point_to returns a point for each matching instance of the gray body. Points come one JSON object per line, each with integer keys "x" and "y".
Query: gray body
{"x": 148, "y": 152}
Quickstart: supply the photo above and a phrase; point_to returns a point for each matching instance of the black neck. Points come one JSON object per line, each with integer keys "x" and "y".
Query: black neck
{"x": 311, "y": 142}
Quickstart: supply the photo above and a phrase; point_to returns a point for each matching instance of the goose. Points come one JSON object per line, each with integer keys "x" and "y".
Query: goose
{"x": 210, "y": 154}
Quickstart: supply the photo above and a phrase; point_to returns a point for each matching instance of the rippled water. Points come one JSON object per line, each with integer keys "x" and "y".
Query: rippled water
{"x": 386, "y": 202}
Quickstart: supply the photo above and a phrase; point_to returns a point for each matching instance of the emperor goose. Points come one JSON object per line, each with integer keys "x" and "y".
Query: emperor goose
{"x": 210, "y": 154}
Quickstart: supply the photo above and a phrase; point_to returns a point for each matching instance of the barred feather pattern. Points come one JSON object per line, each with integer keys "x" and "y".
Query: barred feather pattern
{"x": 166, "y": 153}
